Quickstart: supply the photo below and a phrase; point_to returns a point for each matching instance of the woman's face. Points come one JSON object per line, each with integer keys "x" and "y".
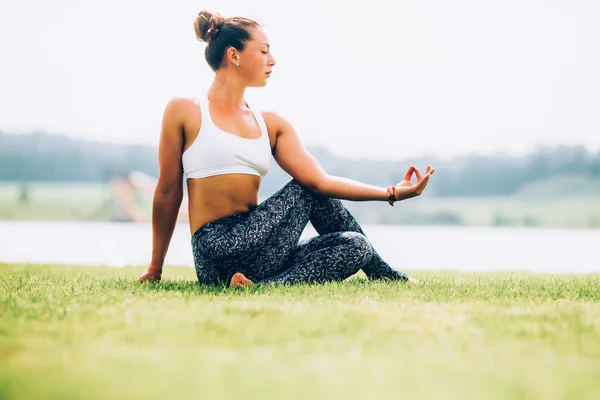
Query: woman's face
{"x": 256, "y": 61}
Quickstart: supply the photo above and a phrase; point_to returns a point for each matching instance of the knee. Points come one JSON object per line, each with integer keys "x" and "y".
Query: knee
{"x": 312, "y": 197}
{"x": 298, "y": 191}
{"x": 296, "y": 186}
{"x": 293, "y": 187}
{"x": 359, "y": 244}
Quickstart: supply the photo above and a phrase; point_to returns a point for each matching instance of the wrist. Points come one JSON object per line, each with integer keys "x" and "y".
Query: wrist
{"x": 404, "y": 193}
{"x": 157, "y": 268}
{"x": 391, "y": 195}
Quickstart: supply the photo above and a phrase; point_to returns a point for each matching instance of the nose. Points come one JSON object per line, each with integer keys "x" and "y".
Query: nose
{"x": 272, "y": 61}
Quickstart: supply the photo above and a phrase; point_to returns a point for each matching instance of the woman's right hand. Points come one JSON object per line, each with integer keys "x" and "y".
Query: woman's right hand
{"x": 152, "y": 274}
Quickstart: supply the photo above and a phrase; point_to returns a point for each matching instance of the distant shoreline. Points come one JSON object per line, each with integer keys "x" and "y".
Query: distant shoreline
{"x": 60, "y": 201}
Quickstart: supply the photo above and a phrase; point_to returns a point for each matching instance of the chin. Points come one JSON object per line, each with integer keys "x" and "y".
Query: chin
{"x": 259, "y": 84}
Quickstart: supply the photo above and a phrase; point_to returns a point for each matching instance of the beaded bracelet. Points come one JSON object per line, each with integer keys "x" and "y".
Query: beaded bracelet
{"x": 391, "y": 192}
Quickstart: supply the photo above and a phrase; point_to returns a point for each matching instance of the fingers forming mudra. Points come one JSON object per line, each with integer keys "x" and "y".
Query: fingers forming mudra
{"x": 406, "y": 187}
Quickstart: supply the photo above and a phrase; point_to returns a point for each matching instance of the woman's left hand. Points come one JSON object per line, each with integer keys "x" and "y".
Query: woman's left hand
{"x": 405, "y": 189}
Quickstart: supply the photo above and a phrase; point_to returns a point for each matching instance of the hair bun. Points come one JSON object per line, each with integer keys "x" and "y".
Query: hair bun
{"x": 207, "y": 24}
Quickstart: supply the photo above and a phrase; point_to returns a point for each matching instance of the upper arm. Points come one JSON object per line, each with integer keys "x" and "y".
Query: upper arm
{"x": 170, "y": 148}
{"x": 291, "y": 155}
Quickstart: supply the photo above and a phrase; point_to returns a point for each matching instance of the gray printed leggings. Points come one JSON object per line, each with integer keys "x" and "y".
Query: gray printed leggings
{"x": 264, "y": 244}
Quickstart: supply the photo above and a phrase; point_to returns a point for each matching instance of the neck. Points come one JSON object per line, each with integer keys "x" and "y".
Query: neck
{"x": 227, "y": 91}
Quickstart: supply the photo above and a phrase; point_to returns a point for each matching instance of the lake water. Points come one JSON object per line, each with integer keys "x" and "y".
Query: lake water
{"x": 404, "y": 247}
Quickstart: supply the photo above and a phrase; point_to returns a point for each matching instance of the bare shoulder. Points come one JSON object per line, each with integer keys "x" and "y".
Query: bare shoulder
{"x": 180, "y": 107}
{"x": 276, "y": 123}
{"x": 290, "y": 153}
{"x": 182, "y": 115}
{"x": 276, "y": 126}
{"x": 270, "y": 116}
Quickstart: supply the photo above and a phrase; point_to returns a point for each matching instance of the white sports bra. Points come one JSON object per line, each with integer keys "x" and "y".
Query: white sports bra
{"x": 216, "y": 152}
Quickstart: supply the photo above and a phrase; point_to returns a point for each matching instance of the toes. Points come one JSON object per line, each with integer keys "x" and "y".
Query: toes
{"x": 239, "y": 280}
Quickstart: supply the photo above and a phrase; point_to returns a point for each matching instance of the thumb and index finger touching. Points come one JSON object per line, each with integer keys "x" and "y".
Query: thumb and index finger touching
{"x": 413, "y": 169}
{"x": 409, "y": 173}
{"x": 421, "y": 180}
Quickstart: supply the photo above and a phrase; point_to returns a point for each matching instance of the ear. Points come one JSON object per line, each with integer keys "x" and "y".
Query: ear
{"x": 233, "y": 56}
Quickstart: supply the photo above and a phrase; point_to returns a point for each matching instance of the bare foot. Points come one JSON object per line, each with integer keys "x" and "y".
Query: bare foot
{"x": 239, "y": 280}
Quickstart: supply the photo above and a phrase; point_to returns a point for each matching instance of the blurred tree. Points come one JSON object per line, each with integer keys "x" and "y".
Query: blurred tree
{"x": 24, "y": 193}
{"x": 43, "y": 157}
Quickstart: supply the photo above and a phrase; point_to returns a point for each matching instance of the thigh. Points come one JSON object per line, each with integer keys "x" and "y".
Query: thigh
{"x": 330, "y": 257}
{"x": 273, "y": 230}
{"x": 257, "y": 243}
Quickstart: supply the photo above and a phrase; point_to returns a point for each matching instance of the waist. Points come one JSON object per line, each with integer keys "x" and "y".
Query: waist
{"x": 212, "y": 199}
{"x": 217, "y": 227}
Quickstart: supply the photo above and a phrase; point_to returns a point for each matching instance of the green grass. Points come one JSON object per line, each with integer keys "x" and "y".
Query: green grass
{"x": 94, "y": 333}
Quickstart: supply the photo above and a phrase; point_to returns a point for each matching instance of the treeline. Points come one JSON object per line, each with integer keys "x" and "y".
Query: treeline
{"x": 44, "y": 157}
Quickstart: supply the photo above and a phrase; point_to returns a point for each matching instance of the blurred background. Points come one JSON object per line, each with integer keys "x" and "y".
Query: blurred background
{"x": 502, "y": 98}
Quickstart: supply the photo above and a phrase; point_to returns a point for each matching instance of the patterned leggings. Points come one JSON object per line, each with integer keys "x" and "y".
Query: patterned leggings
{"x": 264, "y": 245}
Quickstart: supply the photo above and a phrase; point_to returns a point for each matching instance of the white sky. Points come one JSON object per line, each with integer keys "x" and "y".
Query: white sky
{"x": 365, "y": 79}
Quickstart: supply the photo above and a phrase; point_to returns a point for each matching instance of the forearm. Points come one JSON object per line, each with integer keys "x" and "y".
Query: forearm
{"x": 165, "y": 207}
{"x": 348, "y": 189}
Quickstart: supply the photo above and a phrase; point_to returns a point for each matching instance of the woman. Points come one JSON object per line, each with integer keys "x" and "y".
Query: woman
{"x": 224, "y": 146}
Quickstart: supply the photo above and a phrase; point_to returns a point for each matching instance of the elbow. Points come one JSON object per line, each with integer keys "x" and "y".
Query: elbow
{"x": 167, "y": 202}
{"x": 320, "y": 185}
{"x": 169, "y": 194}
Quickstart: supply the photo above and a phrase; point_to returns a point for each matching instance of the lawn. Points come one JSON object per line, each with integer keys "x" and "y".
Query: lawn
{"x": 95, "y": 333}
